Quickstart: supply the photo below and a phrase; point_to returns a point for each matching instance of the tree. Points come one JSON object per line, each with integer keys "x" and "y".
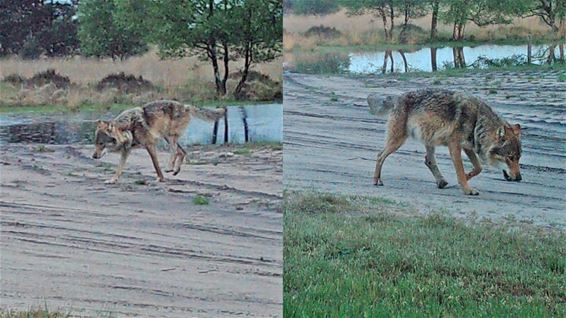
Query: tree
{"x": 102, "y": 35}
{"x": 260, "y": 39}
{"x": 480, "y": 12}
{"x": 218, "y": 31}
{"x": 315, "y": 7}
{"x": 410, "y": 9}
{"x": 551, "y": 12}
{"x": 35, "y": 27}
{"x": 384, "y": 9}
{"x": 435, "y": 6}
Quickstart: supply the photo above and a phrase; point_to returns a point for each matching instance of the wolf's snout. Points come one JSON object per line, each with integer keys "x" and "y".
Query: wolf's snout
{"x": 507, "y": 177}
{"x": 95, "y": 156}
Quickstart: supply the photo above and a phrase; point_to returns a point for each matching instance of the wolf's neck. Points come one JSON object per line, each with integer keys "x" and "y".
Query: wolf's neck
{"x": 485, "y": 132}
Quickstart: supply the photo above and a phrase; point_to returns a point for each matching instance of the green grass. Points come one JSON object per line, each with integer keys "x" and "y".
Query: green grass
{"x": 562, "y": 78}
{"x": 200, "y": 200}
{"x": 33, "y": 313}
{"x": 42, "y": 148}
{"x": 243, "y": 151}
{"x": 366, "y": 257}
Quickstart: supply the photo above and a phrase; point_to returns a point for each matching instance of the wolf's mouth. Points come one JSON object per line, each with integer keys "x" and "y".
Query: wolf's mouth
{"x": 508, "y": 178}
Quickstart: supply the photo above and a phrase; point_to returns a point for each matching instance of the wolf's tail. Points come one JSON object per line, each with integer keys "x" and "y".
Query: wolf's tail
{"x": 380, "y": 106}
{"x": 207, "y": 114}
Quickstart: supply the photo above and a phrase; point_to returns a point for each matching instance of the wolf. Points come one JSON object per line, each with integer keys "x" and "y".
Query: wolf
{"x": 439, "y": 117}
{"x": 142, "y": 127}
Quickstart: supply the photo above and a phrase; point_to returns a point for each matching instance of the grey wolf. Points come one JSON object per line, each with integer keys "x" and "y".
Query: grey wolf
{"x": 143, "y": 127}
{"x": 446, "y": 118}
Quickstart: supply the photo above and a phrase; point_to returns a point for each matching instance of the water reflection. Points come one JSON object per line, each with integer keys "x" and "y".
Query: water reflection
{"x": 253, "y": 123}
{"x": 427, "y": 59}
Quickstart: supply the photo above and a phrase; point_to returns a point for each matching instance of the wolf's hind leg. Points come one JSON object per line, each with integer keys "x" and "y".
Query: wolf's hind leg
{"x": 123, "y": 157}
{"x": 173, "y": 149}
{"x": 475, "y": 162}
{"x": 181, "y": 154}
{"x": 430, "y": 162}
{"x": 392, "y": 143}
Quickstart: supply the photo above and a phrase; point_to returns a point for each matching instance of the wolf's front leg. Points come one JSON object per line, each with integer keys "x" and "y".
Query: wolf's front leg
{"x": 456, "y": 154}
{"x": 153, "y": 154}
{"x": 475, "y": 162}
{"x": 123, "y": 157}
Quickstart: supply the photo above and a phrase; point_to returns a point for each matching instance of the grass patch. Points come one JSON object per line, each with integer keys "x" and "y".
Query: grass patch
{"x": 562, "y": 78}
{"x": 242, "y": 151}
{"x": 33, "y": 313}
{"x": 200, "y": 200}
{"x": 42, "y": 148}
{"x": 340, "y": 263}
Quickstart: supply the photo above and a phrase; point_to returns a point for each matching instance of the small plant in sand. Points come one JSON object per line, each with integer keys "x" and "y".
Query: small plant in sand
{"x": 200, "y": 200}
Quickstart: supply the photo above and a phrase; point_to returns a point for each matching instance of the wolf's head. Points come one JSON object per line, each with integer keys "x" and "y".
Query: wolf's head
{"x": 107, "y": 136}
{"x": 506, "y": 152}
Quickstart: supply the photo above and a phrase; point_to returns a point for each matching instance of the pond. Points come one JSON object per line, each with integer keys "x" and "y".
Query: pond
{"x": 424, "y": 59}
{"x": 250, "y": 123}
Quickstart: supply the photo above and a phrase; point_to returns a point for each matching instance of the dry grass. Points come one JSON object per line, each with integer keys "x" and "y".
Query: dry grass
{"x": 363, "y": 23}
{"x": 367, "y": 30}
{"x": 185, "y": 79}
{"x": 165, "y": 73}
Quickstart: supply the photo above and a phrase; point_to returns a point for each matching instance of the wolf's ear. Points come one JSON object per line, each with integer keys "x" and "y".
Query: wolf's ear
{"x": 501, "y": 133}
{"x": 101, "y": 124}
{"x": 516, "y": 130}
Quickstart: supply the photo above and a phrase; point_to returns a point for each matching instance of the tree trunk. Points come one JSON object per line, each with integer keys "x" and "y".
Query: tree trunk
{"x": 247, "y": 63}
{"x": 561, "y": 49}
{"x": 385, "y": 27}
{"x": 248, "y": 58}
{"x": 434, "y": 22}
{"x": 226, "y": 61}
{"x": 403, "y": 34}
{"x": 220, "y": 86}
{"x": 391, "y": 21}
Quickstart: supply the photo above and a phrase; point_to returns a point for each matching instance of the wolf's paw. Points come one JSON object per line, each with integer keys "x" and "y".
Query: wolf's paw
{"x": 471, "y": 191}
{"x": 176, "y": 172}
{"x": 441, "y": 184}
{"x": 160, "y": 179}
{"x": 168, "y": 170}
{"x": 111, "y": 181}
{"x": 377, "y": 182}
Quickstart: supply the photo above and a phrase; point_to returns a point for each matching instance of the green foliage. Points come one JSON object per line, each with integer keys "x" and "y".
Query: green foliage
{"x": 34, "y": 27}
{"x": 205, "y": 29}
{"x": 102, "y": 34}
{"x": 200, "y": 200}
{"x": 316, "y": 7}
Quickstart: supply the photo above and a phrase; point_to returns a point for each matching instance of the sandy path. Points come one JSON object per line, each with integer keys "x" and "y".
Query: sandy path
{"x": 331, "y": 142}
{"x": 132, "y": 249}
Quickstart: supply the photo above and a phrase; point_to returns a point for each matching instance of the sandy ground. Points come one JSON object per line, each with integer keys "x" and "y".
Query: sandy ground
{"x": 331, "y": 142}
{"x": 134, "y": 249}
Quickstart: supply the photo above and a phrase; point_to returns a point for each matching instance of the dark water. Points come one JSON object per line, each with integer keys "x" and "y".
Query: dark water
{"x": 424, "y": 59}
{"x": 254, "y": 123}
